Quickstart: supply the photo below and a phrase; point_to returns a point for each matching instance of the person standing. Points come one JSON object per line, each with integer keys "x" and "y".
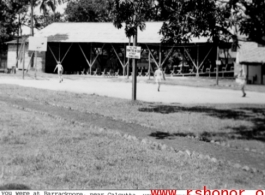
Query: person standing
{"x": 158, "y": 77}
{"x": 241, "y": 80}
{"x": 59, "y": 68}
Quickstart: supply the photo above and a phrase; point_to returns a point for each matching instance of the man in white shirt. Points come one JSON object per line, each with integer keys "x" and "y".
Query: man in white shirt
{"x": 159, "y": 74}
{"x": 241, "y": 80}
{"x": 59, "y": 67}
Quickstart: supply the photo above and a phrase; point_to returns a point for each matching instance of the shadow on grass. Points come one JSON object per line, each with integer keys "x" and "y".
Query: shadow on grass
{"x": 14, "y": 186}
{"x": 254, "y": 115}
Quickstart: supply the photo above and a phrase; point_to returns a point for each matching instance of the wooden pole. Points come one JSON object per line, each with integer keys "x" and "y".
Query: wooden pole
{"x": 90, "y": 67}
{"x": 59, "y": 52}
{"x": 18, "y": 41}
{"x": 217, "y": 65}
{"x": 35, "y": 64}
{"x": 149, "y": 64}
{"x": 198, "y": 63}
{"x": 134, "y": 64}
{"x": 160, "y": 55}
{"x": 23, "y": 57}
{"x": 124, "y": 60}
{"x": 31, "y": 20}
{"x": 128, "y": 66}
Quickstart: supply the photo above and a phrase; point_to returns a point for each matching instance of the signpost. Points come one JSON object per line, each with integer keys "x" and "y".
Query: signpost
{"x": 133, "y": 52}
{"x": 218, "y": 63}
{"x": 37, "y": 44}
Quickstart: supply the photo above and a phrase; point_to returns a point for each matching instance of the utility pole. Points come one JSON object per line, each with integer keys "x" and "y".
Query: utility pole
{"x": 134, "y": 66}
{"x": 217, "y": 63}
{"x": 129, "y": 61}
{"x": 31, "y": 18}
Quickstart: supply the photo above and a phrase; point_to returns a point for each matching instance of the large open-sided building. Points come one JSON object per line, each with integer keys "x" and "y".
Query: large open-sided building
{"x": 90, "y": 47}
{"x": 100, "y": 48}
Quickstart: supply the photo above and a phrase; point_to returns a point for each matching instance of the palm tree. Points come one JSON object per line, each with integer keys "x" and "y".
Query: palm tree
{"x": 45, "y": 5}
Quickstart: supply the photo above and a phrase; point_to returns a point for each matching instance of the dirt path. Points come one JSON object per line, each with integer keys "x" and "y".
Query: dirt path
{"x": 145, "y": 91}
{"x": 250, "y": 159}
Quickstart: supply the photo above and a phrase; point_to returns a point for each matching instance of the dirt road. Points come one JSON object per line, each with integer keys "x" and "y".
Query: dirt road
{"x": 145, "y": 91}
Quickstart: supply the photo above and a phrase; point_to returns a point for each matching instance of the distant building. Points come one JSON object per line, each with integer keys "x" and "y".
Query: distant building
{"x": 252, "y": 57}
{"x": 82, "y": 47}
{"x": 93, "y": 48}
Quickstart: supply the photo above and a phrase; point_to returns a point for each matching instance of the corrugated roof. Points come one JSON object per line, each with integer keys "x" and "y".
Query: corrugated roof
{"x": 250, "y": 53}
{"x": 105, "y": 32}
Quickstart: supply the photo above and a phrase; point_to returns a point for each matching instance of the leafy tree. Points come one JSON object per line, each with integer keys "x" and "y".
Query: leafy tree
{"x": 89, "y": 11}
{"x": 159, "y": 10}
{"x": 9, "y": 23}
{"x": 206, "y": 18}
{"x": 213, "y": 19}
{"x": 253, "y": 24}
{"x": 8, "y": 18}
{"x": 46, "y": 5}
{"x": 47, "y": 18}
{"x": 133, "y": 13}
{"x": 47, "y": 8}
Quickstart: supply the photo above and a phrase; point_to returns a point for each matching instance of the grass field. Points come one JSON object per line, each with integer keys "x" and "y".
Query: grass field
{"x": 44, "y": 152}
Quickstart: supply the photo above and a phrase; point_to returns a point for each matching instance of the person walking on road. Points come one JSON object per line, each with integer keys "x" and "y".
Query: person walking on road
{"x": 59, "y": 68}
{"x": 159, "y": 74}
{"x": 241, "y": 80}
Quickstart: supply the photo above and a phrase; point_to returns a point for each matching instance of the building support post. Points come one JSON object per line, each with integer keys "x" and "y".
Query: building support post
{"x": 198, "y": 63}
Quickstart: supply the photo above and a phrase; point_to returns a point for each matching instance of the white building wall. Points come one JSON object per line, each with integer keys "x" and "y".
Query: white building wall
{"x": 12, "y": 58}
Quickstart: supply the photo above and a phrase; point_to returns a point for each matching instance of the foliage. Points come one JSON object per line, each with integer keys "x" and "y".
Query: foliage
{"x": 89, "y": 11}
{"x": 45, "y": 5}
{"x": 194, "y": 18}
{"x": 253, "y": 25}
{"x": 132, "y": 13}
{"x": 9, "y": 23}
{"x": 219, "y": 20}
{"x": 159, "y": 10}
{"x": 175, "y": 59}
{"x": 47, "y": 18}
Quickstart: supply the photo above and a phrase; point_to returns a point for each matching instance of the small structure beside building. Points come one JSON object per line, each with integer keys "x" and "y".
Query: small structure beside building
{"x": 252, "y": 57}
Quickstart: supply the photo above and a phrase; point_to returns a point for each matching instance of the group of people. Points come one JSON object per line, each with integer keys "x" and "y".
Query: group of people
{"x": 160, "y": 75}
{"x": 240, "y": 79}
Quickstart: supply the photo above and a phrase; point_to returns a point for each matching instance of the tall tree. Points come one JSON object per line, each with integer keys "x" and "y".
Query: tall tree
{"x": 133, "y": 13}
{"x": 9, "y": 23}
{"x": 89, "y": 11}
{"x": 194, "y": 19}
{"x": 253, "y": 24}
{"x": 48, "y": 18}
{"x": 46, "y": 5}
{"x": 208, "y": 18}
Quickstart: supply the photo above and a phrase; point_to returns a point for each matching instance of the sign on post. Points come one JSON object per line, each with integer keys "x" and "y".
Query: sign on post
{"x": 133, "y": 52}
{"x": 37, "y": 44}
